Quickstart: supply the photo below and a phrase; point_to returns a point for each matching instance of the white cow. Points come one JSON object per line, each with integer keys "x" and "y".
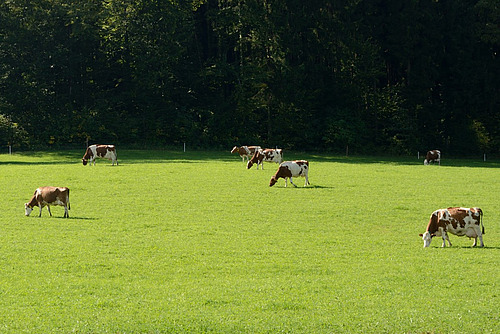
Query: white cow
{"x": 100, "y": 151}
{"x": 457, "y": 221}
{"x": 47, "y": 196}
{"x": 269, "y": 155}
{"x": 245, "y": 151}
{"x": 433, "y": 156}
{"x": 290, "y": 169}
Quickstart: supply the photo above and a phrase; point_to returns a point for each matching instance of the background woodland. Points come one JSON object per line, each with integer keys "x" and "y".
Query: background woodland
{"x": 377, "y": 76}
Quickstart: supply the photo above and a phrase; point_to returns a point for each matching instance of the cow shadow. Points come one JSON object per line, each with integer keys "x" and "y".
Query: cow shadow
{"x": 310, "y": 186}
{"x": 75, "y": 218}
{"x": 467, "y": 247}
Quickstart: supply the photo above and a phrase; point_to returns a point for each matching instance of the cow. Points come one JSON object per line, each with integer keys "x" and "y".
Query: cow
{"x": 100, "y": 151}
{"x": 290, "y": 169}
{"x": 47, "y": 196}
{"x": 269, "y": 155}
{"x": 433, "y": 156}
{"x": 245, "y": 151}
{"x": 457, "y": 221}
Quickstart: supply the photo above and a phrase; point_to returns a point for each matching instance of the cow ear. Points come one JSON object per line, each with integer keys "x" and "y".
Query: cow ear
{"x": 420, "y": 235}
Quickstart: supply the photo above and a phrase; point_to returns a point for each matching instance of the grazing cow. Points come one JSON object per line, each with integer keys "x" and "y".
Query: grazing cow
{"x": 245, "y": 151}
{"x": 289, "y": 169}
{"x": 269, "y": 155}
{"x": 47, "y": 196}
{"x": 457, "y": 221}
{"x": 433, "y": 156}
{"x": 100, "y": 151}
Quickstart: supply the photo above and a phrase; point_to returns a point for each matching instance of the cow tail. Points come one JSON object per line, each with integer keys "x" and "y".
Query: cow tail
{"x": 481, "y": 218}
{"x": 67, "y": 200}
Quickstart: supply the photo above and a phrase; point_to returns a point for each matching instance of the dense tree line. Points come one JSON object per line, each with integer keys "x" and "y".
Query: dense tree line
{"x": 373, "y": 75}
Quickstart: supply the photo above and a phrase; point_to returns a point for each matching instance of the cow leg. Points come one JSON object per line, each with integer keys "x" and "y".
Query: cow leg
{"x": 40, "y": 207}
{"x": 291, "y": 181}
{"x": 48, "y": 208}
{"x": 307, "y": 181}
{"x": 481, "y": 244}
{"x": 66, "y": 213}
{"x": 480, "y": 236}
{"x": 445, "y": 237}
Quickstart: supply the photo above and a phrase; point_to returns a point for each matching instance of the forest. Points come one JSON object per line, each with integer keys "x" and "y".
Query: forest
{"x": 371, "y": 75}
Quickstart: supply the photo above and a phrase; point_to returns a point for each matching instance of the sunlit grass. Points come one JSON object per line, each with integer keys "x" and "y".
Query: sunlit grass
{"x": 195, "y": 242}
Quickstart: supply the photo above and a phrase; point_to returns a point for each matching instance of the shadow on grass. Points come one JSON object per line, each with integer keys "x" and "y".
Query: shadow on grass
{"x": 311, "y": 186}
{"x": 63, "y": 218}
{"x": 80, "y": 218}
{"x": 466, "y": 247}
{"x": 405, "y": 161}
{"x": 156, "y": 156}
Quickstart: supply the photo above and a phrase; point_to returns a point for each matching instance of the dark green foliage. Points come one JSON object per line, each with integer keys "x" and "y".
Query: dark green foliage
{"x": 397, "y": 76}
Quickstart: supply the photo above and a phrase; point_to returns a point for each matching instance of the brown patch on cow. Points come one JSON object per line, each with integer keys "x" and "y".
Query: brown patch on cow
{"x": 457, "y": 216}
{"x": 433, "y": 226}
{"x": 101, "y": 150}
{"x": 283, "y": 172}
{"x": 269, "y": 153}
{"x": 432, "y": 155}
{"x": 256, "y": 157}
{"x": 87, "y": 156}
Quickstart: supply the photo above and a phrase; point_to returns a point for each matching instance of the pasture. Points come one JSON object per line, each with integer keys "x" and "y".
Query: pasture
{"x": 172, "y": 242}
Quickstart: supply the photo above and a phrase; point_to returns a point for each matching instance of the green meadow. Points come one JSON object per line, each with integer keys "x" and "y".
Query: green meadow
{"x": 174, "y": 242}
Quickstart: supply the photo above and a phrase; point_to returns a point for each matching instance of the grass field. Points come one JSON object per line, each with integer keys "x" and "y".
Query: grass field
{"x": 173, "y": 242}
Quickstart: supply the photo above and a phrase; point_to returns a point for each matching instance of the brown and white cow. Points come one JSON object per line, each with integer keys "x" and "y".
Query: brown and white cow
{"x": 290, "y": 169}
{"x": 100, "y": 151}
{"x": 47, "y": 196}
{"x": 457, "y": 221}
{"x": 433, "y": 156}
{"x": 245, "y": 151}
{"x": 269, "y": 155}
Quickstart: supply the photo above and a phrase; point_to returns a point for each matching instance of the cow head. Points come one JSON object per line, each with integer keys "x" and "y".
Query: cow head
{"x": 249, "y": 164}
{"x": 235, "y": 149}
{"x": 84, "y": 161}
{"x": 426, "y": 162}
{"x": 273, "y": 181}
{"x": 27, "y": 209}
{"x": 427, "y": 238}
